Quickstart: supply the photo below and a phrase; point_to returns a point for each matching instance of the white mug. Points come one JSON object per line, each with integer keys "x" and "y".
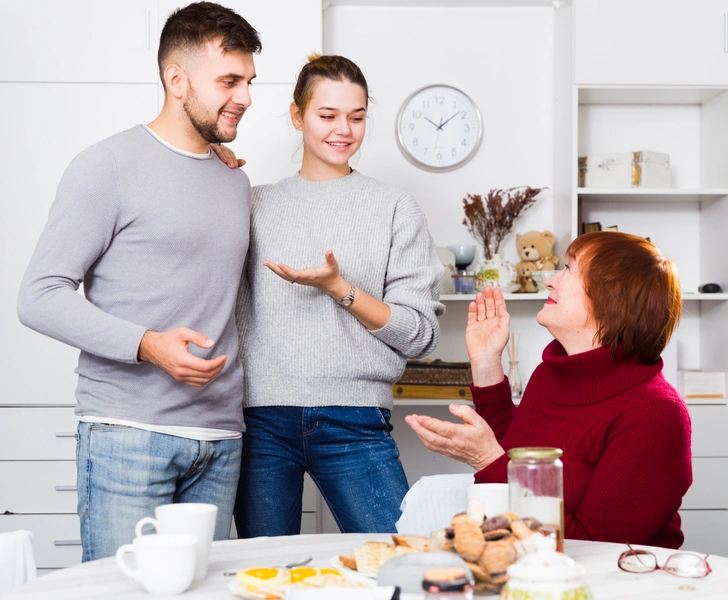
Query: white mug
{"x": 165, "y": 563}
{"x": 493, "y": 497}
{"x": 188, "y": 518}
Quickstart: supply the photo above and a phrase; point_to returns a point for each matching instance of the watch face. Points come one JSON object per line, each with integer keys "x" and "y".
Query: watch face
{"x": 347, "y": 301}
{"x": 439, "y": 128}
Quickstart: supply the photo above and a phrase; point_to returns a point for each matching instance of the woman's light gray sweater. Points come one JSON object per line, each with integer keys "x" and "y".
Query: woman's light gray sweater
{"x": 298, "y": 346}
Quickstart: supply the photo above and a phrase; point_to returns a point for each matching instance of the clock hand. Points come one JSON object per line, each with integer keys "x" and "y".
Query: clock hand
{"x": 435, "y": 124}
{"x": 450, "y": 119}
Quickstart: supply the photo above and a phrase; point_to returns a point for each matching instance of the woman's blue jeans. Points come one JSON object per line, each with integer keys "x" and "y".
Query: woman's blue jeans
{"x": 124, "y": 473}
{"x": 349, "y": 453}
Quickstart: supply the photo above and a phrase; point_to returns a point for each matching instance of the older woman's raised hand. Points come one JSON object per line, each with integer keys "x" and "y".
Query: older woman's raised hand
{"x": 486, "y": 336}
{"x": 472, "y": 442}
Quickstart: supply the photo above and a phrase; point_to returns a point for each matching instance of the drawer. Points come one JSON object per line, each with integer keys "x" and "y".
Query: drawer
{"x": 56, "y": 538}
{"x": 38, "y": 433}
{"x": 710, "y": 429}
{"x": 710, "y": 485}
{"x": 310, "y": 495}
{"x": 38, "y": 487}
{"x": 705, "y": 531}
{"x": 309, "y": 523}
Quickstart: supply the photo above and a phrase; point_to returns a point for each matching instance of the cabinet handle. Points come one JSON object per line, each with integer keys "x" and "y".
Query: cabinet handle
{"x": 149, "y": 28}
{"x": 62, "y": 434}
{"x": 66, "y": 488}
{"x": 66, "y": 542}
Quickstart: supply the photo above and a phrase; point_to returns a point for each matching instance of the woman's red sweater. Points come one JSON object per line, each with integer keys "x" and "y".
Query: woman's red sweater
{"x": 625, "y": 433}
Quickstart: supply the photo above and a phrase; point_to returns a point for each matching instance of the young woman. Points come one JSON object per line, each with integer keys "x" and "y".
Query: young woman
{"x": 599, "y": 394}
{"x": 340, "y": 287}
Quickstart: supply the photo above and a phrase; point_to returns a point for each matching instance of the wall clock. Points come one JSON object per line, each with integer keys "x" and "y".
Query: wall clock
{"x": 439, "y": 128}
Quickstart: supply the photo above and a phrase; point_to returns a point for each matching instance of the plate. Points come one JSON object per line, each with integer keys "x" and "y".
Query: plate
{"x": 351, "y": 574}
{"x": 237, "y": 589}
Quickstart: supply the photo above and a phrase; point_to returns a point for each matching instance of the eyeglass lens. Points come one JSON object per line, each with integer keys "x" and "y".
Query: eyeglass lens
{"x": 638, "y": 561}
{"x": 686, "y": 565}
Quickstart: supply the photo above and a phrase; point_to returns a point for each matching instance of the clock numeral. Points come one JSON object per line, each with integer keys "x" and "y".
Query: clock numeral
{"x": 416, "y": 114}
{"x": 425, "y": 104}
{"x": 463, "y": 114}
{"x": 411, "y": 126}
{"x": 424, "y": 151}
{"x": 415, "y": 142}
{"x": 454, "y": 152}
{"x": 464, "y": 142}
{"x": 439, "y": 99}
{"x": 439, "y": 156}
{"x": 467, "y": 128}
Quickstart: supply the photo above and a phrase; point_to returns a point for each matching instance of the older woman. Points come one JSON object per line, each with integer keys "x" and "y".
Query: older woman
{"x": 599, "y": 393}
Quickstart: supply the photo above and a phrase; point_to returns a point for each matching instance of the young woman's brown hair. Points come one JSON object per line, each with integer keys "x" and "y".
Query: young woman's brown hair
{"x": 634, "y": 291}
{"x": 327, "y": 66}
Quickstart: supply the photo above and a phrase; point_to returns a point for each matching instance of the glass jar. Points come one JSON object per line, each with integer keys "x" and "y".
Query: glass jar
{"x": 536, "y": 488}
{"x": 447, "y": 583}
{"x": 514, "y": 379}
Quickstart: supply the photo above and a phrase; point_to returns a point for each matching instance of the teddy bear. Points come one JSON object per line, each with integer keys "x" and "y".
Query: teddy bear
{"x": 536, "y": 247}
{"x": 523, "y": 276}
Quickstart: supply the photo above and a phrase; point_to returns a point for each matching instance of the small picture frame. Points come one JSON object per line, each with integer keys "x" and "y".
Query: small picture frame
{"x": 589, "y": 227}
{"x": 611, "y": 228}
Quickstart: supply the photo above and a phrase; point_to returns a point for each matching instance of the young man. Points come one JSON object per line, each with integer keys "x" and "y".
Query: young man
{"x": 156, "y": 228}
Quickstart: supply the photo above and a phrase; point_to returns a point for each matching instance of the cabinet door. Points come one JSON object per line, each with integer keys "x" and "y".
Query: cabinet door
{"x": 32, "y": 487}
{"x": 46, "y": 125}
{"x": 79, "y": 41}
{"x": 56, "y": 538}
{"x": 289, "y": 30}
{"x": 650, "y": 42}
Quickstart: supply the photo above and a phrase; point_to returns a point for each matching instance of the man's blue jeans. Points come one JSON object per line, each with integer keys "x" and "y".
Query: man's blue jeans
{"x": 124, "y": 473}
{"x": 349, "y": 453}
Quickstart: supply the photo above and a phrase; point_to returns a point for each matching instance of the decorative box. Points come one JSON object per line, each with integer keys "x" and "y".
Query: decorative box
{"x": 434, "y": 379}
{"x": 643, "y": 169}
{"x": 701, "y": 384}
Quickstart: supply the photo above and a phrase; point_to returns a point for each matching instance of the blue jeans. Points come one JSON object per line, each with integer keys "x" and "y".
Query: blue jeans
{"x": 124, "y": 473}
{"x": 348, "y": 452}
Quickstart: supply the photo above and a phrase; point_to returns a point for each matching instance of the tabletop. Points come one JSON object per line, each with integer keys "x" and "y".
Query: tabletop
{"x": 103, "y": 579}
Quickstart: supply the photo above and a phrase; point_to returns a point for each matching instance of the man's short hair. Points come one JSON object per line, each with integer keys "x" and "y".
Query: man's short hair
{"x": 191, "y": 28}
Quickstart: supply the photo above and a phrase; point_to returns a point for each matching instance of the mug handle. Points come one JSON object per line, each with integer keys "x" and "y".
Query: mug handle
{"x": 126, "y": 549}
{"x": 145, "y": 521}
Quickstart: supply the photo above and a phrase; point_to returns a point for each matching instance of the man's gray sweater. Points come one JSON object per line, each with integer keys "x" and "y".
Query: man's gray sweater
{"x": 158, "y": 238}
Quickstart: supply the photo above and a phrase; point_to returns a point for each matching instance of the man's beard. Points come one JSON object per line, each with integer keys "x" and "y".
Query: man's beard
{"x": 204, "y": 123}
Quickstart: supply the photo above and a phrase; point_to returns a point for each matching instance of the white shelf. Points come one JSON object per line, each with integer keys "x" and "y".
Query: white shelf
{"x": 652, "y": 194}
{"x": 508, "y": 297}
{"x": 648, "y": 94}
{"x": 699, "y": 296}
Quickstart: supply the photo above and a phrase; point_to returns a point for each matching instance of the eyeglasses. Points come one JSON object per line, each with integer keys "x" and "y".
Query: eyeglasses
{"x": 682, "y": 564}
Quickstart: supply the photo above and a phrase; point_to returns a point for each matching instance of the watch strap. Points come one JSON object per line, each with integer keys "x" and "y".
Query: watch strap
{"x": 347, "y": 300}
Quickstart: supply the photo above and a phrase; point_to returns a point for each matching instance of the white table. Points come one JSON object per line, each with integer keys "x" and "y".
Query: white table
{"x": 103, "y": 579}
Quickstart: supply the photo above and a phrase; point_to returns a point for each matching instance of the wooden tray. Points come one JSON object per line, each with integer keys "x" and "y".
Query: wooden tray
{"x": 446, "y": 392}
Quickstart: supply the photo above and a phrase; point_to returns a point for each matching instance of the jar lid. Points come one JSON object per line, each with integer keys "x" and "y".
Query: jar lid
{"x": 535, "y": 453}
{"x": 452, "y": 579}
{"x": 545, "y": 564}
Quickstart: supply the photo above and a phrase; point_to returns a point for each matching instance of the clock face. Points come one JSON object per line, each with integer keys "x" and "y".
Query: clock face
{"x": 439, "y": 128}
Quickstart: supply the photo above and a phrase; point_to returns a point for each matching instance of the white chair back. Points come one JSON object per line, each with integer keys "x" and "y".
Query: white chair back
{"x": 432, "y": 502}
{"x": 17, "y": 562}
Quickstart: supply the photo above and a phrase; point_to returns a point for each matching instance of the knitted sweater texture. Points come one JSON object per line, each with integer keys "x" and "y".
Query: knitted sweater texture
{"x": 298, "y": 346}
{"x": 625, "y": 433}
{"x": 158, "y": 239}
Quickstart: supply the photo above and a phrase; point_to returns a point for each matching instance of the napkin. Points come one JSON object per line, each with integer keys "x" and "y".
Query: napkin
{"x": 431, "y": 503}
{"x": 337, "y": 593}
{"x": 17, "y": 563}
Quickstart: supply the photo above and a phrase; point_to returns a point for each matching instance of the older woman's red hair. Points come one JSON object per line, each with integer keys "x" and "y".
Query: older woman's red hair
{"x": 634, "y": 291}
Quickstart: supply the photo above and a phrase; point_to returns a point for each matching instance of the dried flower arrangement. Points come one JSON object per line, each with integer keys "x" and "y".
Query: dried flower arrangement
{"x": 490, "y": 220}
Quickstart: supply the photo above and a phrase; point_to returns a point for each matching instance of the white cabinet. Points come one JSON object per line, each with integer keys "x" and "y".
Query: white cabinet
{"x": 79, "y": 41}
{"x": 668, "y": 42}
{"x": 290, "y": 30}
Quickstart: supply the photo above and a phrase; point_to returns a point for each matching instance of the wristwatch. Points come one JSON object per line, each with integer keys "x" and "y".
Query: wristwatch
{"x": 347, "y": 300}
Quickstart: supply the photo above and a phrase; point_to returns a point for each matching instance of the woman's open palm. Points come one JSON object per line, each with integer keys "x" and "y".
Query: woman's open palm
{"x": 488, "y": 325}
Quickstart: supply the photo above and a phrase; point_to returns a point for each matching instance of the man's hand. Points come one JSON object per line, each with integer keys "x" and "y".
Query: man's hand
{"x": 472, "y": 442}
{"x": 168, "y": 350}
{"x": 227, "y": 156}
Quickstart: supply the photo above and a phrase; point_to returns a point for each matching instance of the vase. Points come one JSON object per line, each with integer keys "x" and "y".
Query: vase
{"x": 496, "y": 273}
{"x": 514, "y": 379}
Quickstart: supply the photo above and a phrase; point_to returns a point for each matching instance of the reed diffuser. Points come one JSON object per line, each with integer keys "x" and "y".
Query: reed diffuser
{"x": 513, "y": 377}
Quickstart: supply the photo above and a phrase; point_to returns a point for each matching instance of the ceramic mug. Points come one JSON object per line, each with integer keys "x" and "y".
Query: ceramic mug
{"x": 165, "y": 563}
{"x": 187, "y": 518}
{"x": 493, "y": 497}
